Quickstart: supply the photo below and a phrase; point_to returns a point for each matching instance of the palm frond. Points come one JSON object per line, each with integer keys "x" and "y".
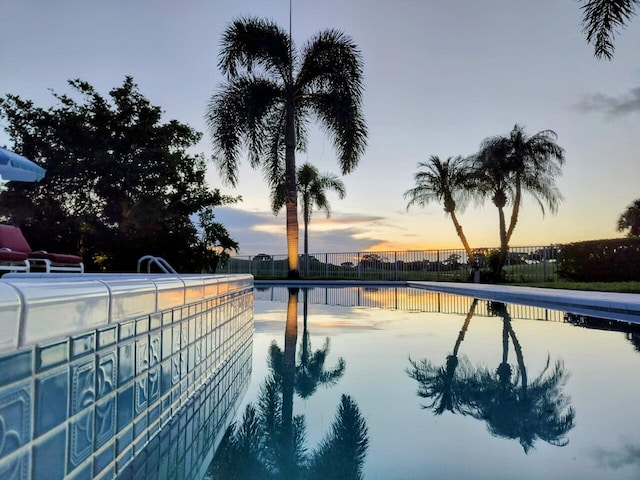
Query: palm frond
{"x": 600, "y": 21}
{"x": 251, "y": 42}
{"x": 330, "y": 82}
{"x": 340, "y": 114}
{"x": 242, "y": 113}
{"x": 447, "y": 182}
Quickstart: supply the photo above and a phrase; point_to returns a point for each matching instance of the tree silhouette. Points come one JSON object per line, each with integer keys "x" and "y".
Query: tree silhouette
{"x": 447, "y": 182}
{"x": 630, "y": 219}
{"x": 271, "y": 92}
{"x": 508, "y": 166}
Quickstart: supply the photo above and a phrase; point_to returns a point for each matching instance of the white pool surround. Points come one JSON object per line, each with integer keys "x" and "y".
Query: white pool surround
{"x": 38, "y": 308}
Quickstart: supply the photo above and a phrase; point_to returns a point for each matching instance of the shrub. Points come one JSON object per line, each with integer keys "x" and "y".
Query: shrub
{"x": 613, "y": 260}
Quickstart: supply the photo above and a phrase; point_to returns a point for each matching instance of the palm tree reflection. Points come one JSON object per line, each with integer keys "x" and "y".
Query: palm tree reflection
{"x": 511, "y": 405}
{"x": 446, "y": 389}
{"x": 270, "y": 442}
{"x": 309, "y": 370}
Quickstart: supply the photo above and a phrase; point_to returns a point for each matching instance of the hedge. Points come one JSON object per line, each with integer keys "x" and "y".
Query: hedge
{"x": 612, "y": 260}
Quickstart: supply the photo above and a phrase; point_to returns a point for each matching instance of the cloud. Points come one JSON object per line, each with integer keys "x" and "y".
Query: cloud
{"x": 624, "y": 456}
{"x": 262, "y": 232}
{"x": 614, "y": 106}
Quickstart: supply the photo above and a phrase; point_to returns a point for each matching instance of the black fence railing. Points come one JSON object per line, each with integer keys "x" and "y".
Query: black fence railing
{"x": 524, "y": 264}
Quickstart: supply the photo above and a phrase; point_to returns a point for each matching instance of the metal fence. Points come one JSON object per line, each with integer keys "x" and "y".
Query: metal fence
{"x": 524, "y": 264}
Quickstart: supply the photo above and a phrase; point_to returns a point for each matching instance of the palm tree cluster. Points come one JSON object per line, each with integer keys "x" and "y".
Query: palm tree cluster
{"x": 271, "y": 93}
{"x": 502, "y": 170}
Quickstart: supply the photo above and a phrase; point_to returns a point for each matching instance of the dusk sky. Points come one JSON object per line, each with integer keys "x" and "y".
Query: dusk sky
{"x": 440, "y": 76}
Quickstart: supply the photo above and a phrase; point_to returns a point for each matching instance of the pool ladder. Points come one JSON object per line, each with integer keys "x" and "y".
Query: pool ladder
{"x": 159, "y": 262}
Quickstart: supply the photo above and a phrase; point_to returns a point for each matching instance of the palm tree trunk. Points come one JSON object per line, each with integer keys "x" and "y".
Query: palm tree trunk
{"x": 463, "y": 238}
{"x": 465, "y": 326}
{"x": 520, "y": 358}
{"x": 288, "y": 377}
{"x": 504, "y": 244}
{"x": 306, "y": 236}
{"x": 291, "y": 196}
{"x": 515, "y": 211}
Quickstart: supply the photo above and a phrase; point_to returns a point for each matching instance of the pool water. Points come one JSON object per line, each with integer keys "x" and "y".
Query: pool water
{"x": 394, "y": 383}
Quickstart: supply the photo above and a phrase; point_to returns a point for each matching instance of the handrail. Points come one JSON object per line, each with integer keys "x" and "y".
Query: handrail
{"x": 160, "y": 262}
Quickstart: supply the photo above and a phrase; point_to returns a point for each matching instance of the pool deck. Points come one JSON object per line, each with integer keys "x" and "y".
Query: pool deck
{"x": 616, "y": 306}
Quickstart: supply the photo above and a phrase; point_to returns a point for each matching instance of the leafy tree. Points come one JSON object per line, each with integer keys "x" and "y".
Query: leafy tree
{"x": 630, "y": 220}
{"x": 507, "y": 166}
{"x": 601, "y": 18}
{"x": 271, "y": 93}
{"x": 119, "y": 184}
{"x": 447, "y": 182}
{"x": 312, "y": 189}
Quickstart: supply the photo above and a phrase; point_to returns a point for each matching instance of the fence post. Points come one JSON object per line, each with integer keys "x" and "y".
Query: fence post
{"x": 544, "y": 264}
{"x": 326, "y": 265}
{"x": 395, "y": 261}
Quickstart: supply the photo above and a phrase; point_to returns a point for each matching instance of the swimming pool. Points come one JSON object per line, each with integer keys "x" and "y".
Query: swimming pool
{"x": 399, "y": 383}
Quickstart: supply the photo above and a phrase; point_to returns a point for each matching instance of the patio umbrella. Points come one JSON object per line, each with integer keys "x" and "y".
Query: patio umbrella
{"x": 16, "y": 167}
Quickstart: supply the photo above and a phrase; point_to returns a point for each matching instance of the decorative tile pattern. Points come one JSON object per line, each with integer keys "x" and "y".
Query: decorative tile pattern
{"x": 15, "y": 426}
{"x": 97, "y": 399}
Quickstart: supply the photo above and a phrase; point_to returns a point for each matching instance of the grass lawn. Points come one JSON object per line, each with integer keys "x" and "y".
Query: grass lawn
{"x": 622, "y": 287}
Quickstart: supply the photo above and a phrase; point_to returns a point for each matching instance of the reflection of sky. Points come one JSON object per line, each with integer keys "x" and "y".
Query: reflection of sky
{"x": 409, "y": 442}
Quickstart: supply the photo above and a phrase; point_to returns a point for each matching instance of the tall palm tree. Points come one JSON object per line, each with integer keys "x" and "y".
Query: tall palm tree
{"x": 446, "y": 182}
{"x": 271, "y": 92}
{"x": 630, "y": 219}
{"x": 312, "y": 189}
{"x": 601, "y": 18}
{"x": 507, "y": 166}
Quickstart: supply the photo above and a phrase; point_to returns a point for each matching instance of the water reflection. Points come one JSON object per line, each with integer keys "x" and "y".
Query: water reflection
{"x": 512, "y": 405}
{"x": 270, "y": 441}
{"x": 401, "y": 298}
{"x": 309, "y": 370}
{"x": 630, "y": 330}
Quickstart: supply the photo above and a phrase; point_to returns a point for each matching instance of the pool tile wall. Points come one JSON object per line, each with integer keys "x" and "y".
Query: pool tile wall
{"x": 85, "y": 405}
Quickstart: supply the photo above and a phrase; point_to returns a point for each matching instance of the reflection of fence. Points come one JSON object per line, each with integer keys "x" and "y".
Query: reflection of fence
{"x": 524, "y": 264}
{"x": 401, "y": 298}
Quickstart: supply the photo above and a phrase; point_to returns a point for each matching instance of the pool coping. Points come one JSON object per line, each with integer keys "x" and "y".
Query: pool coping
{"x": 610, "y": 305}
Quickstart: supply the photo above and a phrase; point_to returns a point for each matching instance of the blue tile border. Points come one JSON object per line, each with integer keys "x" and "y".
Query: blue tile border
{"x": 96, "y": 399}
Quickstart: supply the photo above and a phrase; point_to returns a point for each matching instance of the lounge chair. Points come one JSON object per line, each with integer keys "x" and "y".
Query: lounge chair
{"x": 11, "y": 261}
{"x": 13, "y": 243}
